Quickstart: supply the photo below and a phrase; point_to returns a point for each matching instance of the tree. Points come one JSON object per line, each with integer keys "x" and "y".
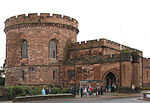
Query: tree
{"x": 2, "y": 75}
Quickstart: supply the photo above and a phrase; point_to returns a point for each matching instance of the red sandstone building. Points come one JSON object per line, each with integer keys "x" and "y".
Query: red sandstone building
{"x": 43, "y": 49}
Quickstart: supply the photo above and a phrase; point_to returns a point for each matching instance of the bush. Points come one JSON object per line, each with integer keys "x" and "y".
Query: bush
{"x": 36, "y": 91}
{"x": 2, "y": 81}
{"x": 65, "y": 90}
{"x": 55, "y": 90}
{"x": 51, "y": 85}
{"x": 14, "y": 91}
{"x": 54, "y": 85}
{"x": 58, "y": 86}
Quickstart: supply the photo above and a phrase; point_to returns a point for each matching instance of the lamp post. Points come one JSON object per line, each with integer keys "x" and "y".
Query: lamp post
{"x": 74, "y": 72}
{"x": 75, "y": 50}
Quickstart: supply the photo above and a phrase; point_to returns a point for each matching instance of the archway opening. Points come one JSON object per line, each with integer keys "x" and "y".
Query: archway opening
{"x": 111, "y": 82}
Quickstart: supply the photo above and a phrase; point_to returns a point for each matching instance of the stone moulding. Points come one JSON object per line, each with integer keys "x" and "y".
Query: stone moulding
{"x": 52, "y": 65}
{"x": 38, "y": 24}
{"x": 43, "y": 17}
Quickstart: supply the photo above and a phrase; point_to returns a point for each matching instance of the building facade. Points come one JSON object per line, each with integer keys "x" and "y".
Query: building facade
{"x": 43, "y": 49}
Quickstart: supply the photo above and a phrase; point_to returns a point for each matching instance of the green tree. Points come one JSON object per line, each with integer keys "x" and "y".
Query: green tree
{"x": 2, "y": 75}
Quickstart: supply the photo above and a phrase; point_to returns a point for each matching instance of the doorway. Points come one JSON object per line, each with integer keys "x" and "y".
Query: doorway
{"x": 111, "y": 81}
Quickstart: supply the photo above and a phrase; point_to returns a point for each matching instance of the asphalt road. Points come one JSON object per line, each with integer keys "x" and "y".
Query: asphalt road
{"x": 88, "y": 100}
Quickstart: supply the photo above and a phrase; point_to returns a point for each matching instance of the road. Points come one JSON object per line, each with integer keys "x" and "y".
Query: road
{"x": 88, "y": 100}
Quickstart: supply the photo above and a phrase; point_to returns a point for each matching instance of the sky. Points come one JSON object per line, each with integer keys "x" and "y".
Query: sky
{"x": 124, "y": 21}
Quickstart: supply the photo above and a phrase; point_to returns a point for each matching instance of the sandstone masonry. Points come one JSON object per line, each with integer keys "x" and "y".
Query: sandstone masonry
{"x": 73, "y": 61}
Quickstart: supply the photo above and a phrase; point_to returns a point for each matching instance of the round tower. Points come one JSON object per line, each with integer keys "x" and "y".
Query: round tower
{"x": 35, "y": 47}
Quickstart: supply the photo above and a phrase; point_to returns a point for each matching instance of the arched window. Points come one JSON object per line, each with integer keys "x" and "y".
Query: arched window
{"x": 52, "y": 49}
{"x": 24, "y": 49}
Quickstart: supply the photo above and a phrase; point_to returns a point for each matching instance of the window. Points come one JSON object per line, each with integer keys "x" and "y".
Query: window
{"x": 71, "y": 75}
{"x": 23, "y": 77}
{"x": 24, "y": 49}
{"x": 52, "y": 49}
{"x": 53, "y": 74}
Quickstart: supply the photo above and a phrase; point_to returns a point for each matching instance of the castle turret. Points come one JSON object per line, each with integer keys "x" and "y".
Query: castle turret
{"x": 36, "y": 43}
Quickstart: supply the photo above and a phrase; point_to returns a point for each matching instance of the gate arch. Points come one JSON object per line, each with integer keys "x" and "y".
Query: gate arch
{"x": 111, "y": 79}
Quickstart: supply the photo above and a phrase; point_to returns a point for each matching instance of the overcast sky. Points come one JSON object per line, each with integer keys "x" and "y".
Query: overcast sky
{"x": 123, "y": 21}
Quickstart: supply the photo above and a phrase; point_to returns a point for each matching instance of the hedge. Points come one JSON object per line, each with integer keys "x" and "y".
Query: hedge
{"x": 14, "y": 91}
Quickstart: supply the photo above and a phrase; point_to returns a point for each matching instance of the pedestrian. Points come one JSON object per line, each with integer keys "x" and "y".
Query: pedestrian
{"x": 85, "y": 91}
{"x": 90, "y": 90}
{"x": 47, "y": 91}
{"x": 106, "y": 89}
{"x": 109, "y": 88}
{"x": 115, "y": 87}
{"x": 81, "y": 91}
{"x": 49, "y": 88}
{"x": 112, "y": 88}
{"x": 72, "y": 90}
{"x": 101, "y": 90}
{"x": 96, "y": 90}
{"x": 133, "y": 88}
{"x": 43, "y": 91}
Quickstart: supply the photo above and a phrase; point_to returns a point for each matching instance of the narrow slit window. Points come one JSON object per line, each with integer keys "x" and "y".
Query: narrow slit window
{"x": 53, "y": 74}
{"x": 23, "y": 77}
{"x": 24, "y": 49}
{"x": 52, "y": 49}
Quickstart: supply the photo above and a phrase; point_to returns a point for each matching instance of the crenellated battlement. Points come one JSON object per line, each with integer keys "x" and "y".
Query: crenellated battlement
{"x": 87, "y": 44}
{"x": 146, "y": 59}
{"x": 103, "y": 42}
{"x": 42, "y": 18}
{"x": 116, "y": 45}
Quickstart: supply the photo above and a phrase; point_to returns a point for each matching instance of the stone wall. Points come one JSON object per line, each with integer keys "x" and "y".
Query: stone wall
{"x": 89, "y": 72}
{"x": 38, "y": 31}
{"x": 38, "y": 49}
{"x": 146, "y": 71}
{"x": 34, "y": 75}
{"x": 88, "y": 60}
{"x": 43, "y": 17}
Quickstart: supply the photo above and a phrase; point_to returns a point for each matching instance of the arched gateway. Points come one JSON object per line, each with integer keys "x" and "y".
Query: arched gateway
{"x": 111, "y": 80}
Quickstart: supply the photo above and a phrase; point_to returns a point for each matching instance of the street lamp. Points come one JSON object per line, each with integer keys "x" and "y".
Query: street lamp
{"x": 75, "y": 50}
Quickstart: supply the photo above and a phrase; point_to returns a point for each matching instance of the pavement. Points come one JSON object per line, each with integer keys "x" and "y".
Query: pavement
{"x": 117, "y": 95}
{"x": 100, "y": 97}
{"x": 113, "y": 95}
